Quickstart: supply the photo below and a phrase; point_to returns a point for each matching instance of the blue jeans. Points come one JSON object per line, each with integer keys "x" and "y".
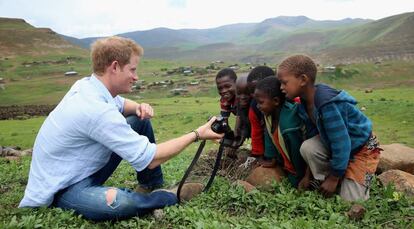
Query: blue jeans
{"x": 96, "y": 202}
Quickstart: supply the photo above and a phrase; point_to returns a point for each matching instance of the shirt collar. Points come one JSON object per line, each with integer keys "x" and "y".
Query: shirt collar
{"x": 101, "y": 88}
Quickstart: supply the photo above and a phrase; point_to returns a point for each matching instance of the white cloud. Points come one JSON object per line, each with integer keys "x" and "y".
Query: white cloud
{"x": 85, "y": 18}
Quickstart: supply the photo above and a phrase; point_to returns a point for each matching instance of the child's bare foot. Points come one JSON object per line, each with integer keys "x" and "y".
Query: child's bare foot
{"x": 305, "y": 182}
{"x": 268, "y": 163}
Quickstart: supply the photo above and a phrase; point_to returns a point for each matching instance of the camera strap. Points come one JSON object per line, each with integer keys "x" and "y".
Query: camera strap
{"x": 195, "y": 159}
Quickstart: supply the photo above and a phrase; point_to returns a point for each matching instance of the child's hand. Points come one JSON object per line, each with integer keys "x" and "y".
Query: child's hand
{"x": 237, "y": 142}
{"x": 304, "y": 184}
{"x": 328, "y": 187}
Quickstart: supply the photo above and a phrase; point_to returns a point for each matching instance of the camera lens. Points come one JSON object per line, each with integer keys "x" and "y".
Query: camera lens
{"x": 220, "y": 125}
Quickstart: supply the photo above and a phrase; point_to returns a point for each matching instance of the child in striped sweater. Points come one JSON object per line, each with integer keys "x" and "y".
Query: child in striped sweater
{"x": 341, "y": 152}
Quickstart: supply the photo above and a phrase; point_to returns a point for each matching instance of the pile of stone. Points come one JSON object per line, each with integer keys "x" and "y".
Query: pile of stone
{"x": 24, "y": 112}
{"x": 397, "y": 167}
{"x": 13, "y": 152}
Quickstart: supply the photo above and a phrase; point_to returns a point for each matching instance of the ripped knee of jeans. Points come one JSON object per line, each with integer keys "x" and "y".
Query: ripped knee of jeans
{"x": 111, "y": 198}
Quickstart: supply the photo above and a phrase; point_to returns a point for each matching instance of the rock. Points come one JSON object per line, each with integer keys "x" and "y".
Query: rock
{"x": 158, "y": 214}
{"x": 246, "y": 185}
{"x": 262, "y": 178}
{"x": 14, "y": 152}
{"x": 8, "y": 151}
{"x": 12, "y": 158}
{"x": 26, "y": 152}
{"x": 396, "y": 156}
{"x": 403, "y": 181}
{"x": 190, "y": 190}
{"x": 356, "y": 212}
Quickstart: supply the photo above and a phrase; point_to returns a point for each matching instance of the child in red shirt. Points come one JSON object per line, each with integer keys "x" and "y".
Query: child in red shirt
{"x": 255, "y": 116}
{"x": 226, "y": 86}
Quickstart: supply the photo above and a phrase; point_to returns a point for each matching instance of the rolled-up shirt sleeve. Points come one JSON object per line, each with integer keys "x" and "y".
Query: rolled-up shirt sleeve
{"x": 112, "y": 130}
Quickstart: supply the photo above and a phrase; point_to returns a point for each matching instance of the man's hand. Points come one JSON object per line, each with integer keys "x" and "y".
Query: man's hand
{"x": 144, "y": 111}
{"x": 206, "y": 133}
{"x": 328, "y": 187}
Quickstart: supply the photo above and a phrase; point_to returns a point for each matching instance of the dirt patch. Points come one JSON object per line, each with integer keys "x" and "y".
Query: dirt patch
{"x": 231, "y": 168}
{"x": 24, "y": 112}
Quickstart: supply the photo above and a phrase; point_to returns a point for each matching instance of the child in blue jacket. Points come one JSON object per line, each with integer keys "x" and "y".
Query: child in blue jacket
{"x": 340, "y": 150}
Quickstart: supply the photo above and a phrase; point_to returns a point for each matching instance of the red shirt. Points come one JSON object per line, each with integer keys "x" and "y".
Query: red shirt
{"x": 228, "y": 106}
{"x": 256, "y": 133}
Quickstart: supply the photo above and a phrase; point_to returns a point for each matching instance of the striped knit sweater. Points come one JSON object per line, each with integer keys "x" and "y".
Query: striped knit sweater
{"x": 343, "y": 128}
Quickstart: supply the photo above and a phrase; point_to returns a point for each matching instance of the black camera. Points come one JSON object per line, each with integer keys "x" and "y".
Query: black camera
{"x": 220, "y": 125}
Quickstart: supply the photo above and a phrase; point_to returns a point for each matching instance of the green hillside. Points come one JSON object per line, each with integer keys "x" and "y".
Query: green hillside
{"x": 345, "y": 41}
{"x": 18, "y": 37}
{"x": 34, "y": 62}
{"x": 388, "y": 38}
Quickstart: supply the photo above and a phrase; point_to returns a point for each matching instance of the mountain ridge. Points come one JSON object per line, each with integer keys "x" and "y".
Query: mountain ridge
{"x": 335, "y": 41}
{"x": 17, "y": 37}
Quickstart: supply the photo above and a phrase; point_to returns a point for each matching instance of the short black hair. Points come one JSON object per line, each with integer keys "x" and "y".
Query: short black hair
{"x": 260, "y": 72}
{"x": 271, "y": 87}
{"x": 226, "y": 72}
{"x": 298, "y": 65}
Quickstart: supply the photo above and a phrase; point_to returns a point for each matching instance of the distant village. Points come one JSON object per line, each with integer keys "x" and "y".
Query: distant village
{"x": 200, "y": 76}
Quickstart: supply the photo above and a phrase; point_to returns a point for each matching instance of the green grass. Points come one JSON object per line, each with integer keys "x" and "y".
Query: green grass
{"x": 224, "y": 205}
{"x": 389, "y": 106}
{"x": 46, "y": 84}
{"x": 390, "y": 110}
{"x": 40, "y": 84}
{"x": 20, "y": 132}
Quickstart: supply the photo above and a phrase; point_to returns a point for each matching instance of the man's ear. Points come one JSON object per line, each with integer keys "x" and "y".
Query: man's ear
{"x": 114, "y": 65}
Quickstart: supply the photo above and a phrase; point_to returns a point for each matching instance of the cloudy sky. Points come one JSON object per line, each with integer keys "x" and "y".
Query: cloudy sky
{"x": 87, "y": 18}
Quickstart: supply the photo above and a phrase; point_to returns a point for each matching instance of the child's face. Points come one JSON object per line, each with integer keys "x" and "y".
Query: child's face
{"x": 290, "y": 84}
{"x": 226, "y": 87}
{"x": 251, "y": 86}
{"x": 243, "y": 94}
{"x": 265, "y": 103}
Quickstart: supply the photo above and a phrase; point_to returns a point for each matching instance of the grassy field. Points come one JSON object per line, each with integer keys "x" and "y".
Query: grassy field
{"x": 390, "y": 106}
{"x": 225, "y": 205}
{"x": 41, "y": 79}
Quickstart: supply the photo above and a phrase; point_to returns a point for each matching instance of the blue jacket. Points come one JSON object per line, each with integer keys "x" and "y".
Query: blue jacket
{"x": 343, "y": 128}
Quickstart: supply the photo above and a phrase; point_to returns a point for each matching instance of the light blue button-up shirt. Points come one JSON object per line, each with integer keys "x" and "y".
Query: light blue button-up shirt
{"x": 77, "y": 139}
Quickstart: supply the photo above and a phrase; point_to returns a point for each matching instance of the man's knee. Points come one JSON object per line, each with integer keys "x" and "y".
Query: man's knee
{"x": 135, "y": 121}
{"x": 111, "y": 198}
{"x": 119, "y": 203}
{"x": 141, "y": 126}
